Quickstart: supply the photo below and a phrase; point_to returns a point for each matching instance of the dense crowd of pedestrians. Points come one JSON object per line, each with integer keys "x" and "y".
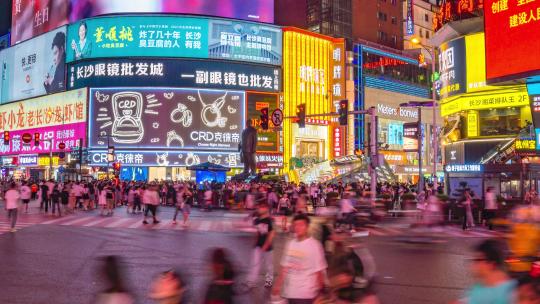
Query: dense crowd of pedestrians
{"x": 310, "y": 269}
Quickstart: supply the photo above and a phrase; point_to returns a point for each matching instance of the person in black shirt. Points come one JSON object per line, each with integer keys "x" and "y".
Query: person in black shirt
{"x": 55, "y": 200}
{"x": 262, "y": 254}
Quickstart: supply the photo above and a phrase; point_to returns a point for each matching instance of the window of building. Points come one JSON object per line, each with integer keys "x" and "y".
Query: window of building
{"x": 426, "y": 17}
{"x": 394, "y": 2}
{"x": 382, "y": 36}
{"x": 394, "y": 40}
{"x": 500, "y": 121}
{"x": 381, "y": 16}
{"x": 427, "y": 34}
{"x": 394, "y": 20}
{"x": 421, "y": 33}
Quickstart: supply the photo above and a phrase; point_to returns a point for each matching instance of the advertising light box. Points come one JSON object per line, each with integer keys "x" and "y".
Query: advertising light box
{"x": 161, "y": 158}
{"x": 511, "y": 39}
{"x": 57, "y": 118}
{"x": 174, "y": 72}
{"x": 31, "y": 18}
{"x": 35, "y": 67}
{"x": 269, "y": 139}
{"x": 410, "y": 137}
{"x": 452, "y": 68}
{"x": 166, "y": 118}
{"x": 168, "y": 36}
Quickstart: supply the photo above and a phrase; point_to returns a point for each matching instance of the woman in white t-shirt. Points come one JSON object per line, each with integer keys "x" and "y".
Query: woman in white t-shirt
{"x": 490, "y": 207}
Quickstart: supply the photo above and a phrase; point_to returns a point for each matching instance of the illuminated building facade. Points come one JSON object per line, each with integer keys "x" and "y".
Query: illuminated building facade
{"x": 314, "y": 75}
{"x": 384, "y": 80}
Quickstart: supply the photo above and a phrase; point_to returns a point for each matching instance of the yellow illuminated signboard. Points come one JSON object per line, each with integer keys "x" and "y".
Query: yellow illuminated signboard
{"x": 501, "y": 99}
{"x": 45, "y": 161}
{"x": 476, "y": 63}
{"x": 493, "y": 97}
{"x": 314, "y": 75}
{"x": 472, "y": 124}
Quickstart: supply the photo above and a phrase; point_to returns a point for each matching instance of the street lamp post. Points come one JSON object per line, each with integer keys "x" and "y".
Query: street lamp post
{"x": 435, "y": 145}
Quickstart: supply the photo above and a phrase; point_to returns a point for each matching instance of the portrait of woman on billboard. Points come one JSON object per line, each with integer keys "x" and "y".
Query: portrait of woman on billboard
{"x": 83, "y": 47}
{"x": 55, "y": 78}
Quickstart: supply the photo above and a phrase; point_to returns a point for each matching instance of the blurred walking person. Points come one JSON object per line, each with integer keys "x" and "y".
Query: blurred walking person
{"x": 494, "y": 285}
{"x": 303, "y": 266}
{"x": 11, "y": 198}
{"x": 116, "y": 292}
{"x": 102, "y": 202}
{"x": 56, "y": 199}
{"x": 262, "y": 253}
{"x": 220, "y": 289}
{"x": 26, "y": 194}
{"x": 151, "y": 200}
{"x": 182, "y": 205}
{"x": 284, "y": 207}
{"x": 490, "y": 207}
{"x": 468, "y": 220}
{"x": 169, "y": 288}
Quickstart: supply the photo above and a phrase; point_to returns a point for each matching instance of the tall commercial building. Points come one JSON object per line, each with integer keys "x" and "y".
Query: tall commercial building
{"x": 378, "y": 21}
{"x": 418, "y": 22}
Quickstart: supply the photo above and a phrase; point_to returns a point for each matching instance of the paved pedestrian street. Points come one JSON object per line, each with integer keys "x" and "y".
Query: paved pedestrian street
{"x": 49, "y": 253}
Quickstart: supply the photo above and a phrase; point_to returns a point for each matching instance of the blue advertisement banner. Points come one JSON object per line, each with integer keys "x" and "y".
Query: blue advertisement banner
{"x": 178, "y": 36}
{"x": 174, "y": 119}
{"x": 174, "y": 72}
{"x": 34, "y": 67}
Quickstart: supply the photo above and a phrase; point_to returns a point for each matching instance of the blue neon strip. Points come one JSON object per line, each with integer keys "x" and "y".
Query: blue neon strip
{"x": 392, "y": 86}
{"x": 360, "y": 126}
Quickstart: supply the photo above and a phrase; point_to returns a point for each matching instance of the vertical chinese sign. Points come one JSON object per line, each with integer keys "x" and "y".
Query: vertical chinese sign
{"x": 338, "y": 93}
{"x": 410, "y": 17}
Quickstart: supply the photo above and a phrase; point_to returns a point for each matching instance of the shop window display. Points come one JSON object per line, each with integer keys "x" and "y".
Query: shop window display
{"x": 496, "y": 122}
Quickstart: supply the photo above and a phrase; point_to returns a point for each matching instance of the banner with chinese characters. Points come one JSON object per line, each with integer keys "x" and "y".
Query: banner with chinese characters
{"x": 497, "y": 99}
{"x": 173, "y": 72}
{"x": 35, "y": 67}
{"x": 50, "y": 138}
{"x": 161, "y": 158}
{"x": 168, "y": 36}
{"x": 31, "y": 18}
{"x": 57, "y": 118}
{"x": 512, "y": 29}
{"x": 409, "y": 20}
{"x": 525, "y": 146}
{"x": 265, "y": 160}
{"x": 338, "y": 71}
{"x": 452, "y": 68}
{"x": 269, "y": 140}
{"x": 166, "y": 118}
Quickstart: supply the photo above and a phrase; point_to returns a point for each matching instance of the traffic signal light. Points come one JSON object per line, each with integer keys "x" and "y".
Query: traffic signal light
{"x": 301, "y": 113}
{"x": 116, "y": 166}
{"x": 6, "y": 138}
{"x": 37, "y": 138}
{"x": 264, "y": 118}
{"x": 343, "y": 112}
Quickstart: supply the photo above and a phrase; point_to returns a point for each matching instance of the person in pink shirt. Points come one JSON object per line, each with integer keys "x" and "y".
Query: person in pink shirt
{"x": 11, "y": 199}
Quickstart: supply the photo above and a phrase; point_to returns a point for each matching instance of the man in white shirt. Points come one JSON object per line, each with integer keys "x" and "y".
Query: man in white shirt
{"x": 26, "y": 193}
{"x": 302, "y": 266}
{"x": 11, "y": 199}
